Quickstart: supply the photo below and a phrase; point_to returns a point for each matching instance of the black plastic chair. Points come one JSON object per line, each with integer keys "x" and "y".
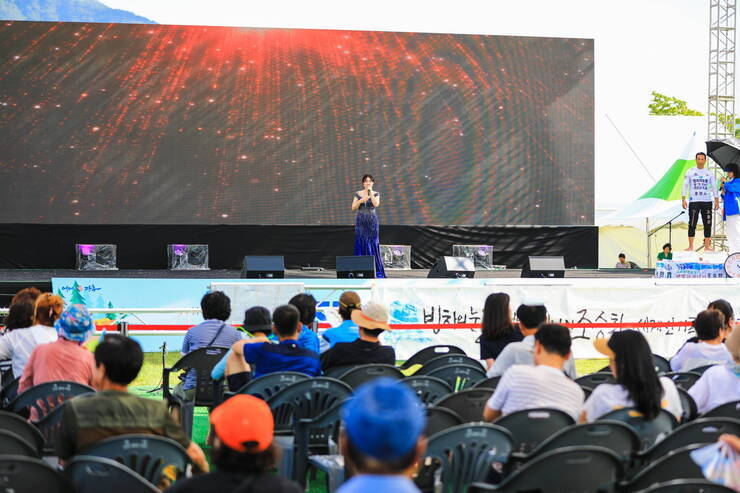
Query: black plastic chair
{"x": 440, "y": 419}
{"x": 688, "y": 486}
{"x": 586, "y": 391}
{"x": 29, "y": 475}
{"x": 727, "y": 410}
{"x": 95, "y": 474}
{"x": 488, "y": 383}
{"x": 650, "y": 432}
{"x": 9, "y": 392}
{"x": 701, "y": 369}
{"x": 459, "y": 377}
{"x": 6, "y": 371}
{"x": 12, "y": 444}
{"x": 594, "y": 379}
{"x": 677, "y": 464}
{"x": 683, "y": 379}
{"x": 445, "y": 360}
{"x": 531, "y": 427}
{"x": 428, "y": 389}
{"x": 688, "y": 405}
{"x": 338, "y": 371}
{"x": 463, "y": 454}
{"x": 312, "y": 438}
{"x": 662, "y": 365}
{"x": 704, "y": 430}
{"x": 365, "y": 373}
{"x": 157, "y": 459}
{"x": 306, "y": 399}
{"x": 616, "y": 436}
{"x": 468, "y": 404}
{"x": 28, "y": 432}
{"x": 268, "y": 385}
{"x": 45, "y": 397}
{"x": 569, "y": 469}
{"x": 50, "y": 428}
{"x": 201, "y": 361}
{"x": 421, "y": 357}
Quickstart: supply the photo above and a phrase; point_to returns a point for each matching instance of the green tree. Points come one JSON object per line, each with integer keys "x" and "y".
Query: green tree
{"x": 77, "y": 298}
{"x": 60, "y": 294}
{"x": 111, "y": 316}
{"x": 669, "y": 106}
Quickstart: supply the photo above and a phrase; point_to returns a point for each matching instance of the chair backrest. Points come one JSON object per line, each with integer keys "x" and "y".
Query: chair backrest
{"x": 650, "y": 432}
{"x": 683, "y": 379}
{"x": 21, "y": 474}
{"x": 586, "y": 391}
{"x": 440, "y": 419}
{"x": 662, "y": 365}
{"x": 50, "y": 428}
{"x": 468, "y": 404}
{"x": 613, "y": 435}
{"x": 421, "y": 357}
{"x": 568, "y": 469}
{"x": 357, "y": 376}
{"x": 488, "y": 383}
{"x": 45, "y": 397}
{"x": 9, "y": 392}
{"x": 465, "y": 454}
{"x": 200, "y": 361}
{"x": 306, "y": 399}
{"x": 312, "y": 437}
{"x": 727, "y": 410}
{"x": 157, "y": 459}
{"x": 594, "y": 379}
{"x": 15, "y": 424}
{"x": 338, "y": 371}
{"x": 667, "y": 468}
{"x": 459, "y": 376}
{"x": 12, "y": 444}
{"x": 268, "y": 385}
{"x": 701, "y": 369}
{"x": 688, "y": 405}
{"x": 530, "y": 427}
{"x": 444, "y": 360}
{"x": 688, "y": 486}
{"x": 703, "y": 430}
{"x": 428, "y": 389}
{"x": 94, "y": 474}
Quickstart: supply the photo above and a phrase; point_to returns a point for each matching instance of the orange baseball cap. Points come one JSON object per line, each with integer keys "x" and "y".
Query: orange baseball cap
{"x": 244, "y": 423}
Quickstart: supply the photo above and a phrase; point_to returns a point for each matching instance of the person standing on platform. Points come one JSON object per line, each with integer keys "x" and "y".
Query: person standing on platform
{"x": 731, "y": 194}
{"x": 700, "y": 185}
{"x": 367, "y": 241}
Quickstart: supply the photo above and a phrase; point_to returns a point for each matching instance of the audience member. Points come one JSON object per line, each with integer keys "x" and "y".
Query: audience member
{"x": 65, "y": 358}
{"x": 721, "y": 383}
{"x": 382, "y": 438}
{"x": 497, "y": 329}
{"x": 622, "y": 262}
{"x": 542, "y": 385}
{"x": 306, "y": 305}
{"x": 710, "y": 328}
{"x": 257, "y": 322}
{"x": 243, "y": 452}
{"x": 347, "y": 331}
{"x": 638, "y": 385}
{"x": 725, "y": 308}
{"x": 26, "y": 295}
{"x": 112, "y": 410}
{"x": 372, "y": 320}
{"x": 531, "y": 315}
{"x": 259, "y": 357}
{"x": 17, "y": 345}
{"x": 666, "y": 253}
{"x": 213, "y": 331}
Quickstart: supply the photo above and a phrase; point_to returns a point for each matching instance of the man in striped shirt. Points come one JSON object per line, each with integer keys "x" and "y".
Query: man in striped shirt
{"x": 542, "y": 385}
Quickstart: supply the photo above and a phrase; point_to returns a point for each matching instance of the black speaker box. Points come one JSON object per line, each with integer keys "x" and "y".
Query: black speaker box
{"x": 356, "y": 267}
{"x": 263, "y": 267}
{"x": 452, "y": 267}
{"x": 550, "y": 267}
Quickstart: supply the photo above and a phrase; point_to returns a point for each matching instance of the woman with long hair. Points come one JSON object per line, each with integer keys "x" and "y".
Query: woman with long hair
{"x": 497, "y": 329}
{"x": 638, "y": 385}
{"x": 367, "y": 241}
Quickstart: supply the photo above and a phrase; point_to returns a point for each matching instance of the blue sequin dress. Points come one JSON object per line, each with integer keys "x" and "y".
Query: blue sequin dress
{"x": 367, "y": 241}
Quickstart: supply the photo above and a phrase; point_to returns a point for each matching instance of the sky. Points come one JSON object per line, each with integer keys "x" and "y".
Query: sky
{"x": 641, "y": 46}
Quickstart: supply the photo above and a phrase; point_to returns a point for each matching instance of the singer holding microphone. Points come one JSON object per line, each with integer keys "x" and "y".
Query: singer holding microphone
{"x": 367, "y": 241}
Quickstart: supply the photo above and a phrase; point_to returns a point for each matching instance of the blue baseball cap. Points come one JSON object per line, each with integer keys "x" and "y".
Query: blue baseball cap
{"x": 384, "y": 419}
{"x": 75, "y": 323}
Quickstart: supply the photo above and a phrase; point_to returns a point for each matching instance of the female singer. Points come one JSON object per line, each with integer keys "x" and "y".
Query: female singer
{"x": 366, "y": 226}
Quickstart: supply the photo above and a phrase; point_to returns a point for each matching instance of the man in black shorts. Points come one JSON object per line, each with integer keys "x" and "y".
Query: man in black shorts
{"x": 700, "y": 185}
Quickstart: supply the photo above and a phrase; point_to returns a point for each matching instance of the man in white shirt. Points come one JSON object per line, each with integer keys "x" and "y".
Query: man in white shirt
{"x": 542, "y": 385}
{"x": 720, "y": 384}
{"x": 531, "y": 315}
{"x": 709, "y": 327}
{"x": 700, "y": 185}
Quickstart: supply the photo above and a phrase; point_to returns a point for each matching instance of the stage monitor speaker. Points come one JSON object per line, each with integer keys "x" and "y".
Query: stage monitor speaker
{"x": 263, "y": 267}
{"x": 96, "y": 257}
{"x": 446, "y": 267}
{"x": 550, "y": 267}
{"x": 356, "y": 267}
{"x": 187, "y": 257}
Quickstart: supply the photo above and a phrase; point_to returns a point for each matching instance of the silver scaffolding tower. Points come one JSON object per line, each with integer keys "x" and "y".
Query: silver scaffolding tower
{"x": 721, "y": 88}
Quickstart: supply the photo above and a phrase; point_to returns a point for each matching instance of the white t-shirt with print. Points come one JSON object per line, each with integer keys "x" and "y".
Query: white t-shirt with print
{"x": 700, "y": 185}
{"x": 695, "y": 354}
{"x": 718, "y": 385}
{"x": 609, "y": 397}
